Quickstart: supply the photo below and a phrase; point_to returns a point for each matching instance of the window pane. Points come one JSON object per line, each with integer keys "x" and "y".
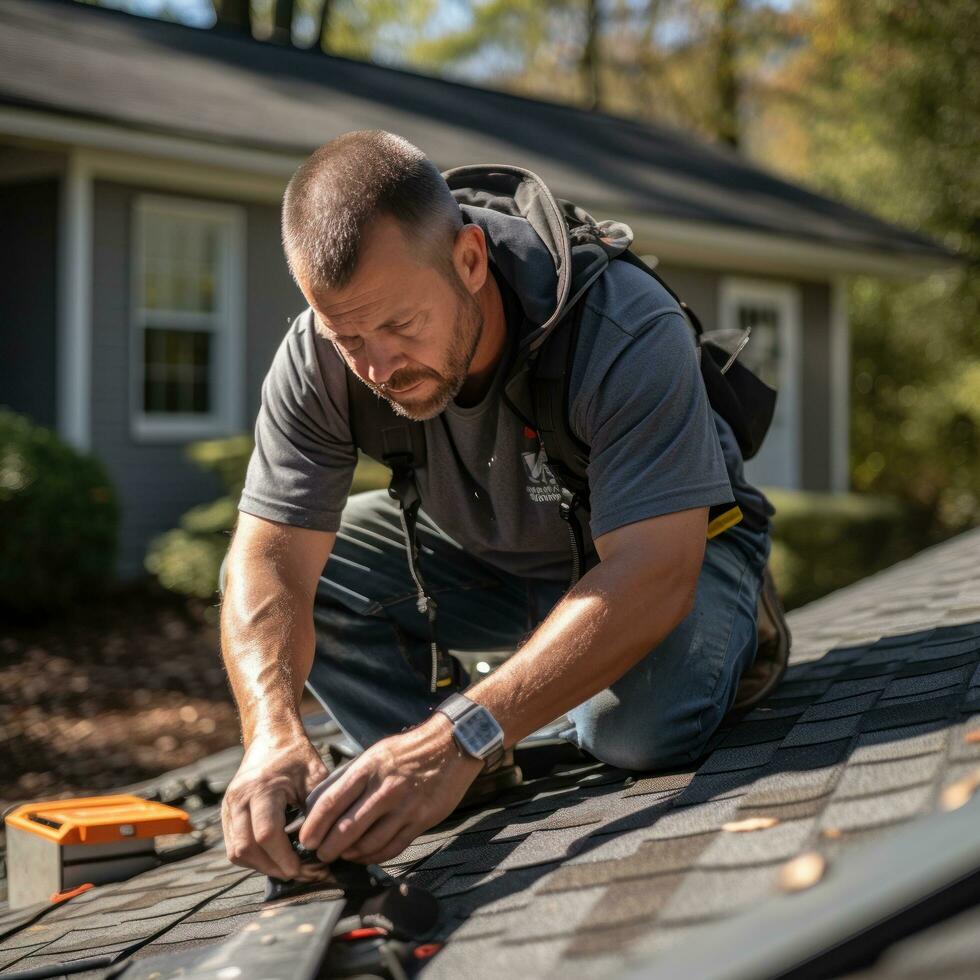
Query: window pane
{"x": 176, "y": 371}
{"x": 182, "y": 262}
{"x": 762, "y": 353}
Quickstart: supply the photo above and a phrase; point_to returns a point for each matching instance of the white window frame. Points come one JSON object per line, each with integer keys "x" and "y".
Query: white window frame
{"x": 228, "y": 330}
{"x": 735, "y": 291}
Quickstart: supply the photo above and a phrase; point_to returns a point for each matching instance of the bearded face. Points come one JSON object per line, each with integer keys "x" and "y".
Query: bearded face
{"x": 423, "y": 393}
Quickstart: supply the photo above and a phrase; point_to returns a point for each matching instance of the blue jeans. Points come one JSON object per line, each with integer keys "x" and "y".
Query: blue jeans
{"x": 372, "y": 665}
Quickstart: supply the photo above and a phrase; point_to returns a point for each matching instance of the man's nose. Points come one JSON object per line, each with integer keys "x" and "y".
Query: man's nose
{"x": 381, "y": 364}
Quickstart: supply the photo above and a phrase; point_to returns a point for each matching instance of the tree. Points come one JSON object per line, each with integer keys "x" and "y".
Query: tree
{"x": 883, "y": 109}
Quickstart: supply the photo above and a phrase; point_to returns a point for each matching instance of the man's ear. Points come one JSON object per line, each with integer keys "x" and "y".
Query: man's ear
{"x": 470, "y": 257}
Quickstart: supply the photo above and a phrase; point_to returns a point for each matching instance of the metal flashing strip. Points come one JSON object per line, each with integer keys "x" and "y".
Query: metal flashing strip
{"x": 788, "y": 934}
{"x": 288, "y": 943}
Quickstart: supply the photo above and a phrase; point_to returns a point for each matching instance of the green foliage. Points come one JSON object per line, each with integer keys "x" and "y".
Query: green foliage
{"x": 889, "y": 102}
{"x": 188, "y": 558}
{"x": 823, "y": 542}
{"x": 59, "y": 520}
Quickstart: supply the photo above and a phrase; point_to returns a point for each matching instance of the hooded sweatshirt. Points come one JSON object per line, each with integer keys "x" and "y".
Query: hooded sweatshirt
{"x": 636, "y": 397}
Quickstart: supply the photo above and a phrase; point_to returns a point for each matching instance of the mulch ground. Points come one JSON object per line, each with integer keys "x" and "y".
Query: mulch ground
{"x": 115, "y": 693}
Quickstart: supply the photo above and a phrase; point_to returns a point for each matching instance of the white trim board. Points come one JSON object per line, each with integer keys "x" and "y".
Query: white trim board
{"x": 74, "y": 349}
{"x": 840, "y": 388}
{"x": 779, "y": 462}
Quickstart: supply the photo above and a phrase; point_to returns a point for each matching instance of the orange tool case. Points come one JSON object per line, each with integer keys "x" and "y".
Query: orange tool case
{"x": 56, "y": 846}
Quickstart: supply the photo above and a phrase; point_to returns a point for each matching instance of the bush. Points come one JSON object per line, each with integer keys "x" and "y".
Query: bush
{"x": 187, "y": 559}
{"x": 823, "y": 541}
{"x": 59, "y": 520}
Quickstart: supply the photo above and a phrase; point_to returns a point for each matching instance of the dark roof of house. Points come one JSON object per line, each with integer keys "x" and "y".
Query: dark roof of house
{"x": 166, "y": 78}
{"x": 586, "y": 870}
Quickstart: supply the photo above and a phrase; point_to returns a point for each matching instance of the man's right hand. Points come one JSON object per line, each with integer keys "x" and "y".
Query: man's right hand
{"x": 272, "y": 775}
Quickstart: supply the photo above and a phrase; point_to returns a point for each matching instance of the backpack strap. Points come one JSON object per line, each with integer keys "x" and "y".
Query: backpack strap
{"x": 548, "y": 384}
{"x": 399, "y": 444}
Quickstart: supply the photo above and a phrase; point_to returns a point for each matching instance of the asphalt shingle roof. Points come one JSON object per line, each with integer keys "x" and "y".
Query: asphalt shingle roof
{"x": 588, "y": 869}
{"x": 152, "y": 76}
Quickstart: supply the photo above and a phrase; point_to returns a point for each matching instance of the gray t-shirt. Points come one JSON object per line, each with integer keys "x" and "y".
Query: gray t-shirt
{"x": 636, "y": 398}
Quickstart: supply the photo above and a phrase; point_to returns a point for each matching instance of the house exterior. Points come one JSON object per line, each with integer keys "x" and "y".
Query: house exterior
{"x": 143, "y": 289}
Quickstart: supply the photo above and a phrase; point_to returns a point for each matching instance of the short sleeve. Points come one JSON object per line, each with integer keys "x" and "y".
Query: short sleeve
{"x": 654, "y": 446}
{"x": 301, "y": 469}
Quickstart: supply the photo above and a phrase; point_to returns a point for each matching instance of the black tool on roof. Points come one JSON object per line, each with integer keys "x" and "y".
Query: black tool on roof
{"x": 385, "y": 921}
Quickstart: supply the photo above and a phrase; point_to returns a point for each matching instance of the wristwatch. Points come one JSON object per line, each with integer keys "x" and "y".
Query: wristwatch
{"x": 476, "y": 730}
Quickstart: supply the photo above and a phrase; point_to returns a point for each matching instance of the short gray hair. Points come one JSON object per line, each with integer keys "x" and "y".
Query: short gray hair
{"x": 349, "y": 182}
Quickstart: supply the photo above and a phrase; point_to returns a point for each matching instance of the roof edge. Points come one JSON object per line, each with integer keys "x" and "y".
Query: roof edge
{"x": 262, "y": 173}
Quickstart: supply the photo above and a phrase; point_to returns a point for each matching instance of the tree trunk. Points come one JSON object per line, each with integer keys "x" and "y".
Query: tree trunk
{"x": 590, "y": 57}
{"x": 324, "y": 25}
{"x": 234, "y": 15}
{"x": 726, "y": 73}
{"x": 282, "y": 22}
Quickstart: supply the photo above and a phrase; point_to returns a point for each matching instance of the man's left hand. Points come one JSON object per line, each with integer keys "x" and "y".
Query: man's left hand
{"x": 396, "y": 790}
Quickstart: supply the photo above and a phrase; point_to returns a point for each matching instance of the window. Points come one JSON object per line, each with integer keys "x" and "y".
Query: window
{"x": 187, "y": 319}
{"x": 772, "y": 311}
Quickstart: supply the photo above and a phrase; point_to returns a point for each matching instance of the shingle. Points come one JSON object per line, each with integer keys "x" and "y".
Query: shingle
{"x": 731, "y": 849}
{"x": 757, "y": 732}
{"x": 484, "y": 958}
{"x": 801, "y": 809}
{"x": 955, "y": 665}
{"x": 886, "y": 777}
{"x": 785, "y": 788}
{"x": 877, "y": 810}
{"x": 585, "y": 814}
{"x": 902, "y": 715}
{"x": 917, "y": 697}
{"x": 659, "y": 783}
{"x": 555, "y": 914}
{"x": 801, "y": 689}
{"x": 716, "y": 786}
{"x": 852, "y": 688}
{"x": 480, "y": 858}
{"x": 650, "y": 858}
{"x": 702, "y": 817}
{"x": 817, "y": 755}
{"x": 864, "y": 670}
{"x": 707, "y": 894}
{"x": 748, "y": 757}
{"x": 820, "y": 732}
{"x": 638, "y": 900}
{"x": 543, "y": 847}
{"x": 470, "y": 892}
{"x": 899, "y": 743}
{"x": 839, "y": 707}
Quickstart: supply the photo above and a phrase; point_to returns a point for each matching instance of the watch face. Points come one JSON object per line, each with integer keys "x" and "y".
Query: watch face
{"x": 477, "y": 731}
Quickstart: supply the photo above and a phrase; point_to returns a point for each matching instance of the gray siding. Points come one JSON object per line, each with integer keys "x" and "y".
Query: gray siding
{"x": 28, "y": 298}
{"x": 272, "y": 298}
{"x": 700, "y": 289}
{"x": 156, "y": 481}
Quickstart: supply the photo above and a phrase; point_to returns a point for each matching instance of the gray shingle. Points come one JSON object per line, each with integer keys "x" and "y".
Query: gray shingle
{"x": 577, "y": 871}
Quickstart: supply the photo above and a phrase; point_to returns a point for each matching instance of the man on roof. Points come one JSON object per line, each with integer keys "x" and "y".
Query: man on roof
{"x": 425, "y": 295}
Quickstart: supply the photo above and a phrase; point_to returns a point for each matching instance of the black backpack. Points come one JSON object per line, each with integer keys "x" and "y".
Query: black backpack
{"x": 536, "y": 391}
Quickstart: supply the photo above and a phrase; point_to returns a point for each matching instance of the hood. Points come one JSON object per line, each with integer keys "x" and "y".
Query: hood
{"x": 548, "y": 249}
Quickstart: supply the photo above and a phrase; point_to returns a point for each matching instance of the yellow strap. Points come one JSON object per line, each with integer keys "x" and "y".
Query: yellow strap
{"x": 724, "y": 521}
